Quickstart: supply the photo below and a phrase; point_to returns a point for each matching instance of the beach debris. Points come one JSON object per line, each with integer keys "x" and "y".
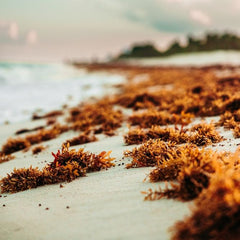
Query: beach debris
{"x": 204, "y": 134}
{"x": 236, "y": 131}
{"x": 100, "y": 116}
{"x": 20, "y": 143}
{"x": 25, "y": 130}
{"x": 151, "y": 153}
{"x": 200, "y": 134}
{"x": 51, "y": 114}
{"x": 215, "y": 214}
{"x": 193, "y": 174}
{"x": 81, "y": 139}
{"x": 155, "y": 151}
{"x": 15, "y": 144}
{"x": 5, "y": 158}
{"x": 51, "y": 121}
{"x": 138, "y": 135}
{"x": 67, "y": 166}
{"x": 153, "y": 117}
{"x": 138, "y": 100}
{"x": 38, "y": 149}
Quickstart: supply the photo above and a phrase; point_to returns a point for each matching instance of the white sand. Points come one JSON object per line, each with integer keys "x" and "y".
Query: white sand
{"x": 192, "y": 59}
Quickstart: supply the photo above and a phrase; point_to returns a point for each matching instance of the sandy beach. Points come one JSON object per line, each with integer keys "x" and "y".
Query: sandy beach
{"x": 120, "y": 120}
{"x": 103, "y": 205}
{"x": 108, "y": 204}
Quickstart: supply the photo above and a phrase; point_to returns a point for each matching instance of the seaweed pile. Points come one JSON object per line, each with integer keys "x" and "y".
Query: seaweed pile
{"x": 99, "y": 117}
{"x": 209, "y": 177}
{"x": 20, "y": 143}
{"x": 5, "y": 158}
{"x": 231, "y": 120}
{"x": 153, "y": 117}
{"x": 151, "y": 153}
{"x": 37, "y": 149}
{"x": 67, "y": 166}
{"x": 190, "y": 166}
{"x": 216, "y": 212}
{"x": 81, "y": 139}
{"x": 192, "y": 170}
{"x": 200, "y": 134}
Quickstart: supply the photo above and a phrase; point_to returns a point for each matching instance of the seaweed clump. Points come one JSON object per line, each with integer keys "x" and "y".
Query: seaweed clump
{"x": 99, "y": 116}
{"x": 138, "y": 100}
{"x": 231, "y": 120}
{"x": 151, "y": 153}
{"x": 5, "y": 158}
{"x": 25, "y": 130}
{"x": 176, "y": 135}
{"x": 192, "y": 170}
{"x": 190, "y": 166}
{"x": 236, "y": 131}
{"x": 16, "y": 144}
{"x": 51, "y": 114}
{"x": 200, "y": 134}
{"x": 37, "y": 149}
{"x": 67, "y": 166}
{"x": 81, "y": 139}
{"x": 153, "y": 117}
{"x": 204, "y": 134}
{"x": 216, "y": 213}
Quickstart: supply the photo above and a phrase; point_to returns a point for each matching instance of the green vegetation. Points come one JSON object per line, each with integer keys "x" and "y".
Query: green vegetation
{"x": 210, "y": 42}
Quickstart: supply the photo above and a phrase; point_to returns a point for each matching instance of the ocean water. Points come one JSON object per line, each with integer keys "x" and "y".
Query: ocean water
{"x": 27, "y": 88}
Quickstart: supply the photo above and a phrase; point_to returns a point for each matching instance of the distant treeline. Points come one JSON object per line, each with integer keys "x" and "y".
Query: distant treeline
{"x": 210, "y": 42}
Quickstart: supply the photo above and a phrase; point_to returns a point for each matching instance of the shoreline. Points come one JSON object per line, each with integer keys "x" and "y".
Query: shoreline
{"x": 107, "y": 204}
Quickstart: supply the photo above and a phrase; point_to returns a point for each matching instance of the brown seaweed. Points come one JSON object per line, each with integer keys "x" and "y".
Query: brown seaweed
{"x": 67, "y": 165}
{"x": 216, "y": 213}
{"x": 81, "y": 139}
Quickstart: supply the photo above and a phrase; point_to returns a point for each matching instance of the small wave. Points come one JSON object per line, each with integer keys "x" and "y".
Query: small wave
{"x": 28, "y": 87}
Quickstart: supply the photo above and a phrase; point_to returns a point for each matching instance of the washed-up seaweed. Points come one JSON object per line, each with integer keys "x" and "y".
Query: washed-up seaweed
{"x": 67, "y": 166}
{"x": 216, "y": 212}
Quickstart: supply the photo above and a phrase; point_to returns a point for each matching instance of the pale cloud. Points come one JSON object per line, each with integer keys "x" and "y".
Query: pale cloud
{"x": 13, "y": 30}
{"x": 31, "y": 37}
{"x": 200, "y": 17}
{"x": 188, "y": 2}
{"x": 236, "y": 5}
{"x": 3, "y": 24}
{"x": 99, "y": 26}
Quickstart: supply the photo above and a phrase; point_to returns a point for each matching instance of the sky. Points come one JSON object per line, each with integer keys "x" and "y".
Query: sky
{"x": 43, "y": 30}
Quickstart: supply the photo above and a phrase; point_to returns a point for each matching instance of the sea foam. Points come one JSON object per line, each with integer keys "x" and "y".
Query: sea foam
{"x": 25, "y": 88}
